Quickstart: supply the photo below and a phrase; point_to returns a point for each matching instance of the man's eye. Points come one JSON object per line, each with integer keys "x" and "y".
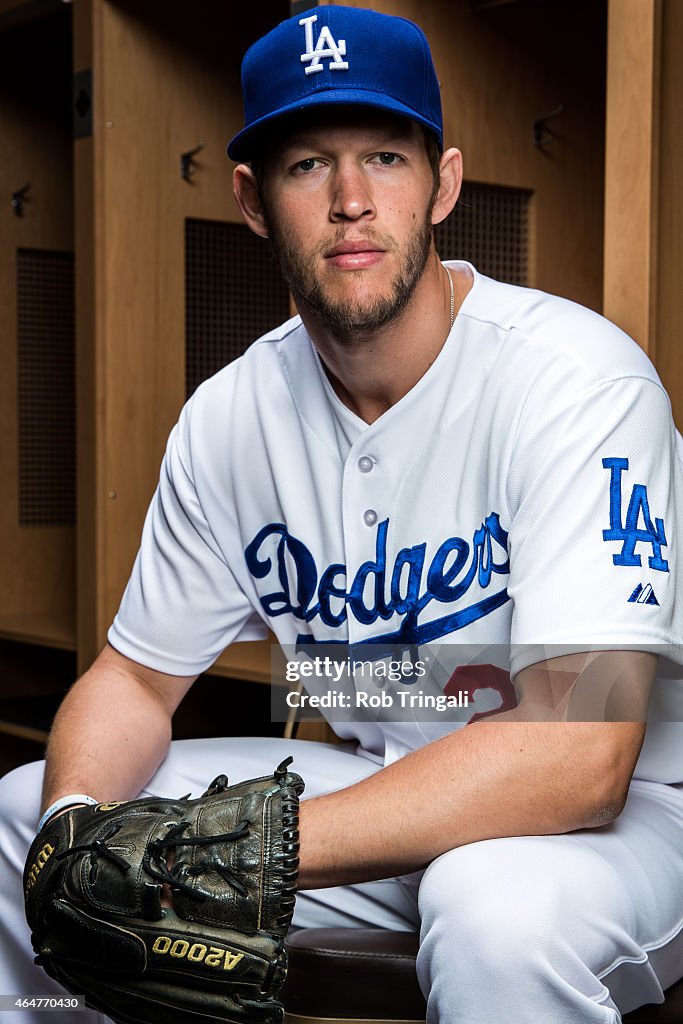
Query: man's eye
{"x": 306, "y": 165}
{"x": 388, "y": 159}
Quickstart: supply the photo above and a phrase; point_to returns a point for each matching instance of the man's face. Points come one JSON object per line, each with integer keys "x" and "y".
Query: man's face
{"x": 348, "y": 204}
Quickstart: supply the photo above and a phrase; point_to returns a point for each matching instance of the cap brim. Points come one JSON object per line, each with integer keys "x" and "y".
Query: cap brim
{"x": 246, "y": 144}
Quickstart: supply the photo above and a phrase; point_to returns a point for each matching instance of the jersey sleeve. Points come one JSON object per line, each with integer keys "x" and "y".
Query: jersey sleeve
{"x": 595, "y": 497}
{"x": 183, "y": 605}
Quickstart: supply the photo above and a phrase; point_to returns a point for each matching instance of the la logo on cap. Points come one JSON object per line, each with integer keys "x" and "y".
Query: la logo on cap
{"x": 325, "y": 47}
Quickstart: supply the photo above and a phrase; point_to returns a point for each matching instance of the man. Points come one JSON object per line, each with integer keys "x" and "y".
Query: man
{"x": 423, "y": 455}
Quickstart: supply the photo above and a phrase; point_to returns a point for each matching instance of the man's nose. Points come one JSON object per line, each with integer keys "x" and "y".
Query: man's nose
{"x": 352, "y": 194}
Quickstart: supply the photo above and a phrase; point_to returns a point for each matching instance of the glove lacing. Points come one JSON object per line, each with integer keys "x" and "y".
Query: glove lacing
{"x": 154, "y": 859}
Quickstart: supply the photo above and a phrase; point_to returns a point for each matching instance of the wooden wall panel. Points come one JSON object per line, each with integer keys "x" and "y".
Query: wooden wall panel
{"x": 165, "y": 81}
{"x": 632, "y": 150}
{"x": 87, "y": 212}
{"x": 668, "y": 353}
{"x": 644, "y": 199}
{"x": 500, "y": 69}
{"x": 37, "y": 563}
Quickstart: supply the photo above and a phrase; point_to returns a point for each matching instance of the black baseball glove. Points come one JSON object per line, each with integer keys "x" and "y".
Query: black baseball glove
{"x": 93, "y": 887}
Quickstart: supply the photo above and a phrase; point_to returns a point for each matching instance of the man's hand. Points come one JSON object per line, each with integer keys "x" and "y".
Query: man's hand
{"x": 93, "y": 884}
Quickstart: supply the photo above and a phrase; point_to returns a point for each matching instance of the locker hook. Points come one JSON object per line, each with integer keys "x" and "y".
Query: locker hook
{"x": 18, "y": 199}
{"x": 187, "y": 164}
{"x": 542, "y": 137}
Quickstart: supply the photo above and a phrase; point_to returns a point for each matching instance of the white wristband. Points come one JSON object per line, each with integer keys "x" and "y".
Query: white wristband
{"x": 62, "y": 803}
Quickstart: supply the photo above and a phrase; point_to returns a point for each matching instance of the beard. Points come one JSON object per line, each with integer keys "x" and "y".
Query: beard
{"x": 349, "y": 320}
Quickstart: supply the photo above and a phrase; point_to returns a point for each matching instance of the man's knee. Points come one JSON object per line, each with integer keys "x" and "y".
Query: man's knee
{"x": 508, "y": 899}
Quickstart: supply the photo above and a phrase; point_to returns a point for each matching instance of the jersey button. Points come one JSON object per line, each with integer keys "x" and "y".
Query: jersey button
{"x": 370, "y": 517}
{"x": 365, "y": 463}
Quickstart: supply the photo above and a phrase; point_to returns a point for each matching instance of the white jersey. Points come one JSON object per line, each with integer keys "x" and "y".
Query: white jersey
{"x": 521, "y": 495}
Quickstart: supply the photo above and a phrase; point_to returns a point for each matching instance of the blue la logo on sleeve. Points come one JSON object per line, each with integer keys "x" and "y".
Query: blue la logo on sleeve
{"x": 638, "y": 527}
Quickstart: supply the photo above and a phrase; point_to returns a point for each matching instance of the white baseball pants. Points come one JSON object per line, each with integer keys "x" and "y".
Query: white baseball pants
{"x": 567, "y": 929}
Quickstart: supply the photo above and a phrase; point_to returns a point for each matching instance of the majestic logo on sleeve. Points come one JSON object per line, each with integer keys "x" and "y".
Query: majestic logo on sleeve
{"x": 325, "y": 47}
{"x": 643, "y": 595}
{"x": 637, "y": 528}
{"x": 380, "y": 591}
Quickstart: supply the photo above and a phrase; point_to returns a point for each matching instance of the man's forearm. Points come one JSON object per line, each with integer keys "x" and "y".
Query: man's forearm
{"x": 111, "y": 733}
{"x": 482, "y": 782}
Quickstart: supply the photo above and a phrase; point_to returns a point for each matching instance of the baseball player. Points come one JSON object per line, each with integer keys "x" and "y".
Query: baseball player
{"x": 422, "y": 459}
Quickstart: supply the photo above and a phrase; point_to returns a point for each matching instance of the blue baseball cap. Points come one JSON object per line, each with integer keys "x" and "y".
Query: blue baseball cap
{"x": 337, "y": 55}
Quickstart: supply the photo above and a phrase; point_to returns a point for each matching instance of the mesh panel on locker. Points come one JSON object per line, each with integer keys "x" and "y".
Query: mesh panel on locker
{"x": 489, "y": 227}
{"x": 234, "y": 293}
{"x": 46, "y": 387}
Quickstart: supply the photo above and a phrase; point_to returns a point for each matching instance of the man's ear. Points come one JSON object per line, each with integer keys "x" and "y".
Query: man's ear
{"x": 451, "y": 182}
{"x": 248, "y": 199}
